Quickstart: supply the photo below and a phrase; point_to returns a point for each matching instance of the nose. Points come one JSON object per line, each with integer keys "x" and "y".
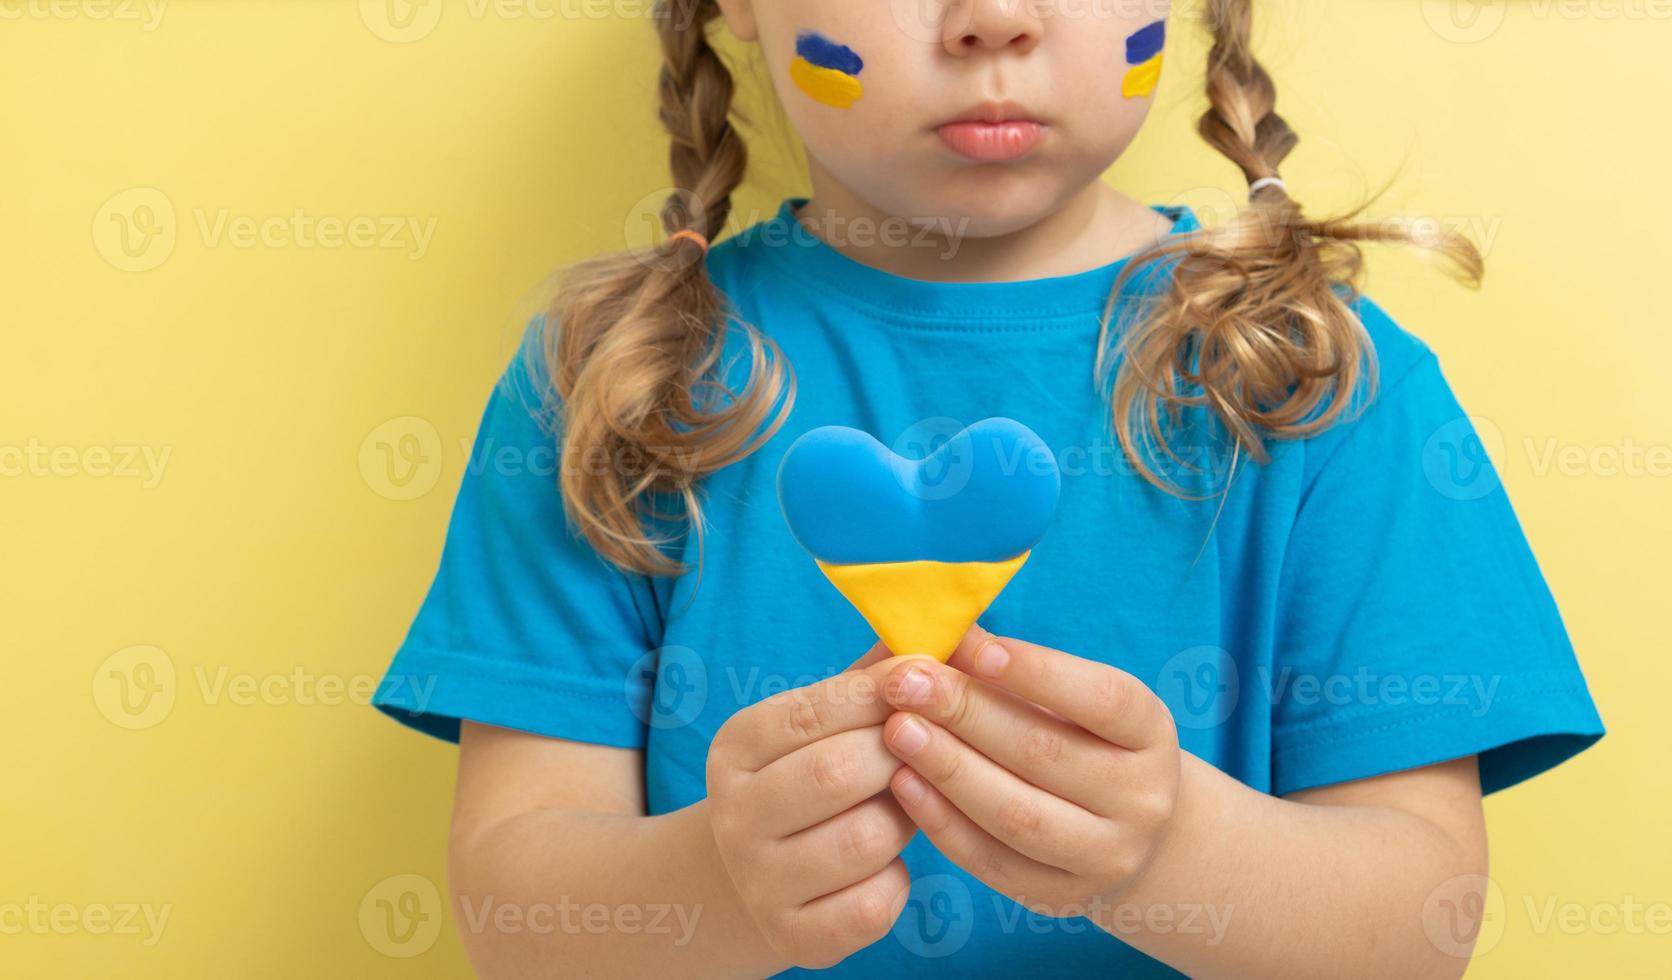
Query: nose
{"x": 992, "y": 25}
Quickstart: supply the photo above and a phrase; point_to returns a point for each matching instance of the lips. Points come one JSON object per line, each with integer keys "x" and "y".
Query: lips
{"x": 991, "y": 142}
{"x": 992, "y": 132}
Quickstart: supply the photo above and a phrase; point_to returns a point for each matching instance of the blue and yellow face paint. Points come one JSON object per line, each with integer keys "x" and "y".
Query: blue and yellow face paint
{"x": 828, "y": 72}
{"x": 920, "y": 547}
{"x": 1143, "y": 53}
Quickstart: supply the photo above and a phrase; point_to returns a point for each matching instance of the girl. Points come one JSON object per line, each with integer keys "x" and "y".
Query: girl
{"x": 1236, "y": 714}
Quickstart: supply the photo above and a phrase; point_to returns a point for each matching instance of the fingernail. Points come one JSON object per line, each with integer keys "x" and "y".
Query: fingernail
{"x": 910, "y": 736}
{"x": 910, "y": 789}
{"x": 991, "y": 659}
{"x": 912, "y": 686}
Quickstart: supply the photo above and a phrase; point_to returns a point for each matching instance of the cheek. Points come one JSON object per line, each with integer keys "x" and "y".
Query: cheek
{"x": 1113, "y": 73}
{"x": 826, "y": 70}
{"x": 1121, "y": 58}
{"x": 843, "y": 90}
{"x": 1117, "y": 125}
{"x": 861, "y": 93}
{"x": 1142, "y": 59}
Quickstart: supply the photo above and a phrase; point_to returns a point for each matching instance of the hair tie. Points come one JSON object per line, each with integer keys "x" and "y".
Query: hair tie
{"x": 702, "y": 242}
{"x": 1264, "y": 182}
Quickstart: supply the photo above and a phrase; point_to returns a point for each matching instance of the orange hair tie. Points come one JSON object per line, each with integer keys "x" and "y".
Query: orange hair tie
{"x": 697, "y": 237}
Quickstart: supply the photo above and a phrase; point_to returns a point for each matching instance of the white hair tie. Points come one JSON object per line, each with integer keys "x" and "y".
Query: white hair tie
{"x": 1264, "y": 182}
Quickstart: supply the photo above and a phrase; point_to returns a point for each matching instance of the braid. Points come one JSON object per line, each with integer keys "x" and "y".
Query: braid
{"x": 634, "y": 342}
{"x": 707, "y": 156}
{"x": 1242, "y": 121}
{"x": 1257, "y": 323}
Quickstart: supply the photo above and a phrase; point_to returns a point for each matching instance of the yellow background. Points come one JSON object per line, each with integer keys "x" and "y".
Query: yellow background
{"x": 273, "y": 551}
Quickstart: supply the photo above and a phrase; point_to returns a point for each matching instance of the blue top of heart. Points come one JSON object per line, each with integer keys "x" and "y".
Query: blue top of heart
{"x": 986, "y": 494}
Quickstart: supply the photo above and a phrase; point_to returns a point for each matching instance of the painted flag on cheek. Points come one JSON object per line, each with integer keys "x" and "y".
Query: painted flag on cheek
{"x": 1143, "y": 53}
{"x": 825, "y": 71}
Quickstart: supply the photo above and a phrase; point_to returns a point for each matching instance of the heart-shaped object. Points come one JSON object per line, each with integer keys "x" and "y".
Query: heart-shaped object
{"x": 921, "y": 547}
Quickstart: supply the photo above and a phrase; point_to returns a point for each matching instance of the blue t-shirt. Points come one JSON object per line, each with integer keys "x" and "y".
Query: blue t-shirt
{"x": 1365, "y": 602}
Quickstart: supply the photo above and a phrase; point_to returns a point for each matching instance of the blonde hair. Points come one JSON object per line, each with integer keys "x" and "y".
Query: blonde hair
{"x": 1256, "y": 324}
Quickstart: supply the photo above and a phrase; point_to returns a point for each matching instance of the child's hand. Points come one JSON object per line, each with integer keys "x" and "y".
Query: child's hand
{"x": 1049, "y": 777}
{"x": 796, "y": 804}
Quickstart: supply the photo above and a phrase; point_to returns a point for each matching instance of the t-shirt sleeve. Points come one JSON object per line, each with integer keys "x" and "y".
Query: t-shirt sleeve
{"x": 1414, "y": 625}
{"x": 525, "y": 625}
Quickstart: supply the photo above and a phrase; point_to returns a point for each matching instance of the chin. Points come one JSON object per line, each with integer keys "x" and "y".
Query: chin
{"x": 986, "y": 202}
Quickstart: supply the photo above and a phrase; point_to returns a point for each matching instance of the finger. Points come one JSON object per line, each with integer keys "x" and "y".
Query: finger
{"x": 818, "y": 781}
{"x": 1056, "y": 755}
{"x": 1104, "y": 700}
{"x": 1047, "y": 828}
{"x": 793, "y": 719}
{"x": 965, "y": 844}
{"x": 849, "y": 847}
{"x": 852, "y": 918}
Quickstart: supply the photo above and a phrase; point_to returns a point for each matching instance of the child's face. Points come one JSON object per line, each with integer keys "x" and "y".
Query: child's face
{"x": 870, "y": 84}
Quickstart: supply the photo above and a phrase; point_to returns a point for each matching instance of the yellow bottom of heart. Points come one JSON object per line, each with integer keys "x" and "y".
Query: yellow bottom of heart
{"x": 922, "y": 606}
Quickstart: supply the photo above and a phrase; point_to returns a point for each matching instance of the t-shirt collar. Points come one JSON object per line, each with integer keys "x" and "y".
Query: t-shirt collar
{"x": 815, "y": 262}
